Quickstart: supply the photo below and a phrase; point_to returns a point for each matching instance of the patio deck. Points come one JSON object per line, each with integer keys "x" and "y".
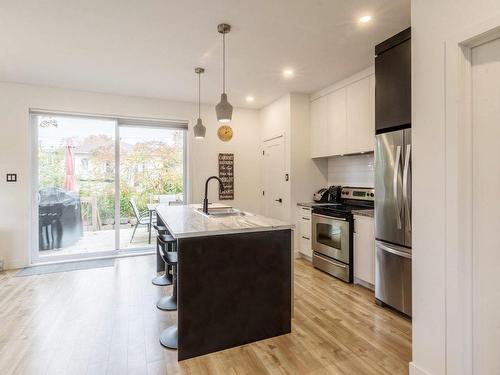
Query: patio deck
{"x": 104, "y": 240}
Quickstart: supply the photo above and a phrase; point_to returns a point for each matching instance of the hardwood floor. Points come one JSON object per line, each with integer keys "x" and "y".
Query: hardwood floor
{"x": 104, "y": 321}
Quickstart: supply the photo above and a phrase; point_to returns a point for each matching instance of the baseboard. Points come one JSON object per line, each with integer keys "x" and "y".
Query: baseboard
{"x": 13, "y": 265}
{"x": 303, "y": 256}
{"x": 364, "y": 284}
{"x": 416, "y": 370}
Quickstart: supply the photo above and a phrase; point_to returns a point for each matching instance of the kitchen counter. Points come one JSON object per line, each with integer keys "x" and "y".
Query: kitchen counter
{"x": 189, "y": 221}
{"x": 234, "y": 280}
{"x": 368, "y": 213}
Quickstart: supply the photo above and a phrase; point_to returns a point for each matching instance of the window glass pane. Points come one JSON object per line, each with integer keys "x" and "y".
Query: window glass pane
{"x": 151, "y": 172}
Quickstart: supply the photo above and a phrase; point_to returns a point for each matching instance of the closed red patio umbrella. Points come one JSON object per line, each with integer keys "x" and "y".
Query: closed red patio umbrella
{"x": 69, "y": 168}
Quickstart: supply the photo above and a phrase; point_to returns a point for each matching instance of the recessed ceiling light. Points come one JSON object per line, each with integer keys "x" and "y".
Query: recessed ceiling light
{"x": 250, "y": 98}
{"x": 288, "y": 73}
{"x": 365, "y": 19}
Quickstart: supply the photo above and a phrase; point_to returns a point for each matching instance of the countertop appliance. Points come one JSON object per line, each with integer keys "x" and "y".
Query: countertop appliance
{"x": 325, "y": 195}
{"x": 332, "y": 232}
{"x": 393, "y": 173}
{"x": 321, "y": 196}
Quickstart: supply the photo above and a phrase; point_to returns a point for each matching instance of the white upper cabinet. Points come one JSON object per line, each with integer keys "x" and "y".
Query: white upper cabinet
{"x": 336, "y": 122}
{"x": 343, "y": 120}
{"x": 319, "y": 142}
{"x": 360, "y": 130}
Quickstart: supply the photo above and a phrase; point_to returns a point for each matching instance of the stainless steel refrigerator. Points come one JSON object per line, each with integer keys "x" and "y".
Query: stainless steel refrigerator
{"x": 393, "y": 219}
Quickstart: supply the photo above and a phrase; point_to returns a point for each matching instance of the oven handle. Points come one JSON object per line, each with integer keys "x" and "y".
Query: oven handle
{"x": 330, "y": 260}
{"x": 330, "y": 217}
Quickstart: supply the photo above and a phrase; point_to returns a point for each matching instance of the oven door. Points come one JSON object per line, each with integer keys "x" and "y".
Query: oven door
{"x": 330, "y": 237}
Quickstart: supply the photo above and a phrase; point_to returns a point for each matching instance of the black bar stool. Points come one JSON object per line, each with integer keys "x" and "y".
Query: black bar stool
{"x": 166, "y": 278}
{"x": 168, "y": 337}
{"x": 169, "y": 303}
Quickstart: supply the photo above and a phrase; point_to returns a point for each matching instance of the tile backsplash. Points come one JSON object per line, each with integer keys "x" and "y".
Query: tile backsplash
{"x": 352, "y": 170}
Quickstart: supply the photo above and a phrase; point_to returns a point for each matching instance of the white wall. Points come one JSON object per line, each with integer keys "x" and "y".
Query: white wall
{"x": 289, "y": 116}
{"x": 15, "y": 150}
{"x": 275, "y": 122}
{"x": 307, "y": 175}
{"x": 433, "y": 22}
{"x": 352, "y": 170}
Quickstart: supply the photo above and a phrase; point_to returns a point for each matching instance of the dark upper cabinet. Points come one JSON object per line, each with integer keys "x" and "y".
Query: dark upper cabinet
{"x": 393, "y": 82}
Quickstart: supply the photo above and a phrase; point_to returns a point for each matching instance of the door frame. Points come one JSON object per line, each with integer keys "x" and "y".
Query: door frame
{"x": 459, "y": 193}
{"x": 33, "y": 239}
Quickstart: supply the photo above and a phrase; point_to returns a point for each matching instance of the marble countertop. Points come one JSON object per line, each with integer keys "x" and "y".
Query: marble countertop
{"x": 187, "y": 221}
{"x": 369, "y": 213}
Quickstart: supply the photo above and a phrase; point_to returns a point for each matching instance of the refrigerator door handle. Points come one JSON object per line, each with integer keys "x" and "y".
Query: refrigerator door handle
{"x": 397, "y": 204}
{"x": 405, "y": 188}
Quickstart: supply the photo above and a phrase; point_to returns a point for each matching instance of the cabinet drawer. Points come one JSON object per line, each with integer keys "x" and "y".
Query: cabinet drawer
{"x": 304, "y": 211}
{"x": 305, "y": 226}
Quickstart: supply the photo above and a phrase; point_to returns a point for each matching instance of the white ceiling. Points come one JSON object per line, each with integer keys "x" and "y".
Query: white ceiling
{"x": 151, "y": 47}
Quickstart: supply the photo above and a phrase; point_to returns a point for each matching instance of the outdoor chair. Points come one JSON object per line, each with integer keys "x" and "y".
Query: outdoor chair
{"x": 141, "y": 219}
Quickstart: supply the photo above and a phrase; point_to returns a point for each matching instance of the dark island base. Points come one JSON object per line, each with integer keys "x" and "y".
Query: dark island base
{"x": 232, "y": 290}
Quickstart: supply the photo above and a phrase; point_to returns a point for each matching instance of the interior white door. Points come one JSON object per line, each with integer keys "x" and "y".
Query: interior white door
{"x": 486, "y": 207}
{"x": 274, "y": 178}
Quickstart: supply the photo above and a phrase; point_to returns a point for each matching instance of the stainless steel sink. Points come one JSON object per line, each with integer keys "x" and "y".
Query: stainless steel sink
{"x": 221, "y": 212}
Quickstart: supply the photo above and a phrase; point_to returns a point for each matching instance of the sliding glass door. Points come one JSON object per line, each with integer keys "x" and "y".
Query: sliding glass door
{"x": 151, "y": 171}
{"x": 97, "y": 182}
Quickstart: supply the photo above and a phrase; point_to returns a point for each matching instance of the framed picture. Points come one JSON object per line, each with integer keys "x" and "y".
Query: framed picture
{"x": 226, "y": 174}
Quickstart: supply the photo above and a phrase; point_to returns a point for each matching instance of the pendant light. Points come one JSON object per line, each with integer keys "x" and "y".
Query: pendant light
{"x": 224, "y": 110}
{"x": 199, "y": 129}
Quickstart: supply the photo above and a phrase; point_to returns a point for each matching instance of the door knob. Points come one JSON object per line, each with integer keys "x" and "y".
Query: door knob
{"x": 278, "y": 200}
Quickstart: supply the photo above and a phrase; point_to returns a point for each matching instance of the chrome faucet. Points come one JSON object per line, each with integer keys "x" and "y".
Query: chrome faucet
{"x": 205, "y": 200}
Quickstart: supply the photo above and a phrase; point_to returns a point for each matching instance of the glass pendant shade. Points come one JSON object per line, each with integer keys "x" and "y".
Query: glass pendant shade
{"x": 199, "y": 129}
{"x": 224, "y": 109}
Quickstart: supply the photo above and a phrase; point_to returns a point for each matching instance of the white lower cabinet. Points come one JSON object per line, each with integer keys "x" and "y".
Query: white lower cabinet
{"x": 364, "y": 249}
{"x": 304, "y": 230}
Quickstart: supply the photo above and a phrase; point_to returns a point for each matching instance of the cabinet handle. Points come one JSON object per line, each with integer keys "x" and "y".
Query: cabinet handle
{"x": 305, "y": 238}
{"x": 306, "y": 208}
{"x": 305, "y": 218}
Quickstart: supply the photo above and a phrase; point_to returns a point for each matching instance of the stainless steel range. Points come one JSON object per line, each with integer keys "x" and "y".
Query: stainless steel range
{"x": 332, "y": 232}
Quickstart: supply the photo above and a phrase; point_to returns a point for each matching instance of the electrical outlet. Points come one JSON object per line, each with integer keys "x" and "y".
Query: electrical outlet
{"x": 11, "y": 177}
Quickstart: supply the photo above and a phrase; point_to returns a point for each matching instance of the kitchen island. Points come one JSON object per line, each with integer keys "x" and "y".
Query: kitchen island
{"x": 234, "y": 277}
